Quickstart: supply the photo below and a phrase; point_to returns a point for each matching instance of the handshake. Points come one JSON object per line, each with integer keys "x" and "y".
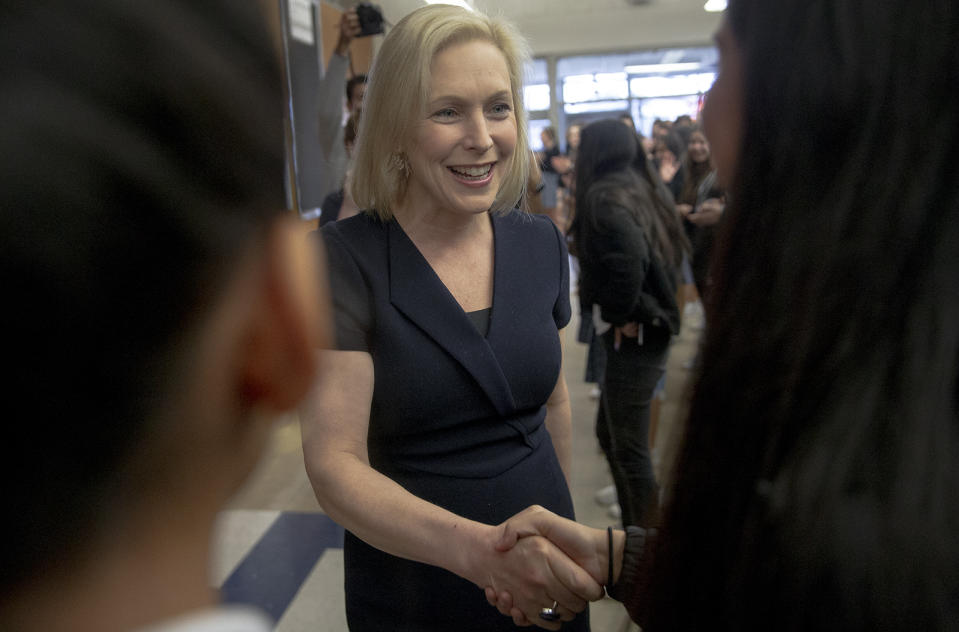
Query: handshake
{"x": 545, "y": 568}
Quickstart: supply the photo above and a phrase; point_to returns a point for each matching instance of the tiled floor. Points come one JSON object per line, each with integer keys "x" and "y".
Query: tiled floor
{"x": 275, "y": 548}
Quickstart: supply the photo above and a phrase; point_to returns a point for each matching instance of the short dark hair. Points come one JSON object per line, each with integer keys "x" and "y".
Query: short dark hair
{"x": 143, "y": 155}
{"x": 352, "y": 82}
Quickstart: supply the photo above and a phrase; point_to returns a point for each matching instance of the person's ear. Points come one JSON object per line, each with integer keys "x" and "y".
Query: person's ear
{"x": 291, "y": 322}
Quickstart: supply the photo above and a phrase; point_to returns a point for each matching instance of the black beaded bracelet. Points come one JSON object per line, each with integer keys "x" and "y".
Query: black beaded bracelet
{"x": 609, "y": 559}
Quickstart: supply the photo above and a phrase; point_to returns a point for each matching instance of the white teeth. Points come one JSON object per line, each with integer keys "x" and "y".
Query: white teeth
{"x": 473, "y": 172}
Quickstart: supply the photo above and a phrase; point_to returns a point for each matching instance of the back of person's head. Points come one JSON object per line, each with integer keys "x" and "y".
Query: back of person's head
{"x": 603, "y": 148}
{"x": 398, "y": 92}
{"x": 142, "y": 164}
{"x": 661, "y": 127}
{"x": 818, "y": 486}
{"x": 683, "y": 134}
{"x": 603, "y": 167}
{"x": 611, "y": 166}
{"x": 674, "y": 143}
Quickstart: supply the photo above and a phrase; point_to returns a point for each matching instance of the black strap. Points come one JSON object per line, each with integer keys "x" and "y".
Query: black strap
{"x": 609, "y": 559}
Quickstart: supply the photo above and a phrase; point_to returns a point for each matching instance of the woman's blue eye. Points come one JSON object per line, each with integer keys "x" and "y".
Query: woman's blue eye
{"x": 501, "y": 109}
{"x": 445, "y": 113}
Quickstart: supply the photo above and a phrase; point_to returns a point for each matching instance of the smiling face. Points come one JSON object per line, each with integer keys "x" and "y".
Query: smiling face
{"x": 572, "y": 136}
{"x": 460, "y": 149}
{"x": 698, "y": 147}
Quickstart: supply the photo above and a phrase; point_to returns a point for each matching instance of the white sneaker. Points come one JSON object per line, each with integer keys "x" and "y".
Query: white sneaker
{"x": 606, "y": 496}
{"x": 695, "y": 316}
{"x": 693, "y": 309}
{"x": 614, "y": 511}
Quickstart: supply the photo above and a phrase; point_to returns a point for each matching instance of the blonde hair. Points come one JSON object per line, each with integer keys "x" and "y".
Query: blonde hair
{"x": 398, "y": 91}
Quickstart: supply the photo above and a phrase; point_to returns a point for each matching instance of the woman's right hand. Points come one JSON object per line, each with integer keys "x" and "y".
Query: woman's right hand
{"x": 586, "y": 546}
{"x": 534, "y": 572}
{"x": 684, "y": 209}
{"x": 667, "y": 170}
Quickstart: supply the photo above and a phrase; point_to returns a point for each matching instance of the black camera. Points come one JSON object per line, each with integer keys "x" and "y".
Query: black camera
{"x": 371, "y": 19}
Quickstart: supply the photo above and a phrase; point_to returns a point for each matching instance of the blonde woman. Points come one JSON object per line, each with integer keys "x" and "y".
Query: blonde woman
{"x": 443, "y": 410}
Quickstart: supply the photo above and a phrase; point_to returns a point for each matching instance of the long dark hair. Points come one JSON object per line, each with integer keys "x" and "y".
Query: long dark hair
{"x": 143, "y": 158}
{"x": 818, "y": 483}
{"x": 693, "y": 173}
{"x": 612, "y": 165}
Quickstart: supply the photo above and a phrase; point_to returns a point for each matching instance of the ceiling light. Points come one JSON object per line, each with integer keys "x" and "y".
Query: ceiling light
{"x": 650, "y": 69}
{"x": 715, "y": 6}
{"x": 458, "y": 3}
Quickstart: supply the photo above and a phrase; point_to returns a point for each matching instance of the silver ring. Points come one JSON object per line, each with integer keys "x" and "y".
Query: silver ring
{"x": 549, "y": 614}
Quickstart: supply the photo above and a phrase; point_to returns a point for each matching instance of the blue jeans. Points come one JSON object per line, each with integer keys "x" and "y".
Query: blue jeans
{"x": 622, "y": 421}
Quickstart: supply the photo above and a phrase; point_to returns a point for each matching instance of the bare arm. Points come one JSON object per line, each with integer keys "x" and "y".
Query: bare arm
{"x": 383, "y": 514}
{"x": 333, "y": 83}
{"x": 559, "y": 423}
{"x": 349, "y": 29}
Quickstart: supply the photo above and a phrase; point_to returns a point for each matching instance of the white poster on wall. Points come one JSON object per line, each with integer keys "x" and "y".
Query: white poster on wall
{"x": 301, "y": 21}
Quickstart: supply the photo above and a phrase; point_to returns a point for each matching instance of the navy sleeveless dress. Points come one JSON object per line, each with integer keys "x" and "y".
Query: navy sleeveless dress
{"x": 457, "y": 416}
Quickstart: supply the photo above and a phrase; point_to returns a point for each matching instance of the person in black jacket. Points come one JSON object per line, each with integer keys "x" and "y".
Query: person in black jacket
{"x": 630, "y": 243}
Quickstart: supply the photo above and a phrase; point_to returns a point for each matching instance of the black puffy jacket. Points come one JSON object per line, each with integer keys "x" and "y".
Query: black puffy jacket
{"x": 618, "y": 269}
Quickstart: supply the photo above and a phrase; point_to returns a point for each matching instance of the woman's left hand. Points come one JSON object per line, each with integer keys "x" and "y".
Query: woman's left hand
{"x": 629, "y": 330}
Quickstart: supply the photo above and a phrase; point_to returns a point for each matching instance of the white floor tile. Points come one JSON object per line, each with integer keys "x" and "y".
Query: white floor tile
{"x": 235, "y": 533}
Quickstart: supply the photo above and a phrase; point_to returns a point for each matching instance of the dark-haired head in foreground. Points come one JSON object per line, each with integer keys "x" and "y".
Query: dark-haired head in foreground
{"x": 818, "y": 486}
{"x": 159, "y": 305}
